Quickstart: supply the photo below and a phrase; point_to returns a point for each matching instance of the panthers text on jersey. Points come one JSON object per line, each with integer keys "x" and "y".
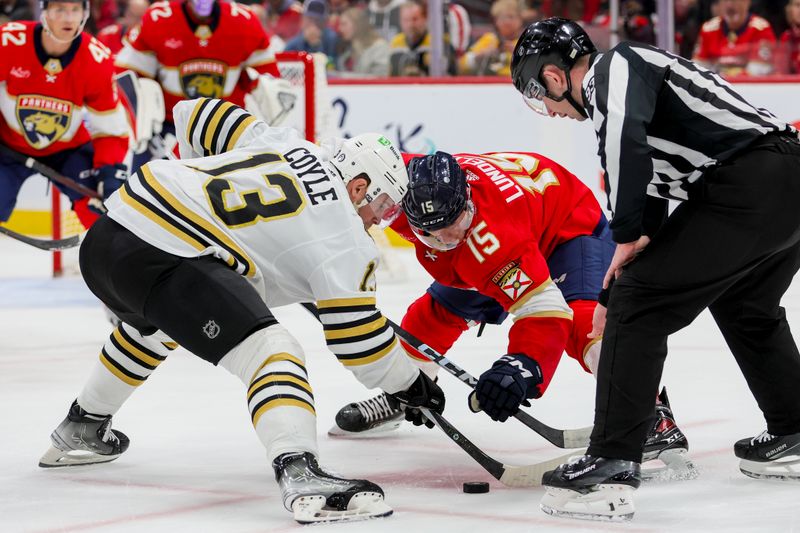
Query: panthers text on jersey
{"x": 269, "y": 206}
{"x": 525, "y": 206}
{"x": 52, "y": 104}
{"x": 192, "y": 60}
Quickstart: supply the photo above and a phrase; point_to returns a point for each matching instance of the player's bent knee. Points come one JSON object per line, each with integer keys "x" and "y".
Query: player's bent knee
{"x": 247, "y": 357}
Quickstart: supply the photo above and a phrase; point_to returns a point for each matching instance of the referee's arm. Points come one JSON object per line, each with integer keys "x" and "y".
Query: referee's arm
{"x": 624, "y": 105}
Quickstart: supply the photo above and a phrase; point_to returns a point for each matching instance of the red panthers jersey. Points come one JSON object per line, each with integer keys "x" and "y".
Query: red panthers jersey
{"x": 52, "y": 104}
{"x": 115, "y": 36}
{"x": 525, "y": 206}
{"x": 192, "y": 60}
{"x": 748, "y": 51}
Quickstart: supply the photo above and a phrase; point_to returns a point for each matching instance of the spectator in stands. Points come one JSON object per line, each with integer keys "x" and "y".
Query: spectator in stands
{"x": 637, "y": 22}
{"x": 410, "y": 49}
{"x": 363, "y": 51}
{"x": 531, "y": 11}
{"x": 787, "y": 57}
{"x": 384, "y": 15}
{"x": 338, "y": 7}
{"x": 687, "y": 26}
{"x": 114, "y": 36}
{"x": 283, "y": 18}
{"x": 736, "y": 42}
{"x": 11, "y": 10}
{"x": 315, "y": 36}
{"x": 491, "y": 53}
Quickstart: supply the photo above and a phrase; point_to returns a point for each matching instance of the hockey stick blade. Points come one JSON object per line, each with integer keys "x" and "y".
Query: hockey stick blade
{"x": 49, "y": 173}
{"x": 509, "y": 475}
{"x": 563, "y": 438}
{"x": 43, "y": 244}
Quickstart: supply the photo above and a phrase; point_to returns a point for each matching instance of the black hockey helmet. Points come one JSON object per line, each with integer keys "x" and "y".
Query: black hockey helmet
{"x": 437, "y": 191}
{"x": 555, "y": 41}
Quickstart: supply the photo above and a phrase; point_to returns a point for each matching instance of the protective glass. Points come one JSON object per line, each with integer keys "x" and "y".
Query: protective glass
{"x": 450, "y": 237}
{"x": 384, "y": 209}
{"x": 64, "y": 11}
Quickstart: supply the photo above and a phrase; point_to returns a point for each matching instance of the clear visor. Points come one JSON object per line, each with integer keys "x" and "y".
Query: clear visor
{"x": 533, "y": 95}
{"x": 448, "y": 238}
{"x": 384, "y": 210}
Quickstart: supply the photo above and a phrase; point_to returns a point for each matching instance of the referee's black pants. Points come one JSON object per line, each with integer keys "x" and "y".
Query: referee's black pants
{"x": 734, "y": 248}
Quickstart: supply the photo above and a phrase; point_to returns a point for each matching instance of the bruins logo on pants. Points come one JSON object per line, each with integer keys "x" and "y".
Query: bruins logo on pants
{"x": 43, "y": 120}
{"x": 203, "y": 77}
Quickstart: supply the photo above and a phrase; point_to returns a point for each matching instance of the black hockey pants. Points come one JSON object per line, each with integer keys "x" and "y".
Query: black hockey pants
{"x": 733, "y": 248}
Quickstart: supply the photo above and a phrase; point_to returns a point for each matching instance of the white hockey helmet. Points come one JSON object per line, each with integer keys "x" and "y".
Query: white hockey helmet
{"x": 374, "y": 155}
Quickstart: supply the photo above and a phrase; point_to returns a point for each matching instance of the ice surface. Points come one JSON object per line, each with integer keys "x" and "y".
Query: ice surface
{"x": 195, "y": 463}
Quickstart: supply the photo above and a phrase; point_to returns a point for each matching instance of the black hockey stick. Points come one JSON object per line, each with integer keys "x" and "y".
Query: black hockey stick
{"x": 43, "y": 244}
{"x": 49, "y": 173}
{"x": 563, "y": 438}
{"x": 509, "y": 475}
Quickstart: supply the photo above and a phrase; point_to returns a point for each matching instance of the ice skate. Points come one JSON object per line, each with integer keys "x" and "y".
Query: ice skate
{"x": 316, "y": 496}
{"x": 591, "y": 488}
{"x": 83, "y": 438}
{"x": 769, "y": 456}
{"x": 666, "y": 450}
{"x": 368, "y": 418}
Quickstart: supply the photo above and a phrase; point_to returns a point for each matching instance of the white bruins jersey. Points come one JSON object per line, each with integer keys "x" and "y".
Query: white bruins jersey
{"x": 266, "y": 202}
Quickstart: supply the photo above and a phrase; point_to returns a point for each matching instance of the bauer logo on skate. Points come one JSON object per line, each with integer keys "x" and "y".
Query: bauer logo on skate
{"x": 211, "y": 329}
{"x": 43, "y": 120}
{"x": 203, "y": 78}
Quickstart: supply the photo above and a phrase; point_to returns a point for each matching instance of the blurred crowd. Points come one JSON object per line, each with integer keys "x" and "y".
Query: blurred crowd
{"x": 378, "y": 38}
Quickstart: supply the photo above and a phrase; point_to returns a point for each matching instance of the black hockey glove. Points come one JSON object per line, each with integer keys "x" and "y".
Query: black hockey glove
{"x": 422, "y": 393}
{"x": 109, "y": 179}
{"x": 508, "y": 384}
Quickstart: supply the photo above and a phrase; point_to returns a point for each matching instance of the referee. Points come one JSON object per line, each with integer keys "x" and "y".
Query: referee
{"x": 669, "y": 129}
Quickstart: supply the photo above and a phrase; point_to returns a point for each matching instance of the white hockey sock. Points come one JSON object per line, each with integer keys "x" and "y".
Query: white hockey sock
{"x": 126, "y": 361}
{"x": 271, "y": 363}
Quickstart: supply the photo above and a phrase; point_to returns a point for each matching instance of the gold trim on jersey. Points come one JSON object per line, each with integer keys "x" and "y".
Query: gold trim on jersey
{"x": 531, "y": 293}
{"x": 193, "y": 219}
{"x": 282, "y": 402}
{"x": 233, "y": 137}
{"x": 165, "y": 223}
{"x": 367, "y": 359}
{"x": 546, "y": 314}
{"x": 356, "y": 331}
{"x": 589, "y": 345}
{"x": 346, "y": 302}
{"x": 212, "y": 124}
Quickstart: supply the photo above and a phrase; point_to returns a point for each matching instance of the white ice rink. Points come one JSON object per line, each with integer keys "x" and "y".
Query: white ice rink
{"x": 195, "y": 464}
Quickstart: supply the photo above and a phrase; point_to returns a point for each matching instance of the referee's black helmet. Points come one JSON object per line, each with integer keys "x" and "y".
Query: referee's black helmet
{"x": 555, "y": 41}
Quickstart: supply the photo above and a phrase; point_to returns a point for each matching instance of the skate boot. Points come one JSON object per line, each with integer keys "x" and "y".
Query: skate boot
{"x": 368, "y": 418}
{"x": 770, "y": 456}
{"x": 314, "y": 496}
{"x": 83, "y": 438}
{"x": 591, "y": 488}
{"x": 667, "y": 443}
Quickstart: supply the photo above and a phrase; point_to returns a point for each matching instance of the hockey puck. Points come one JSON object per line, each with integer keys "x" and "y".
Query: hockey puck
{"x": 476, "y": 487}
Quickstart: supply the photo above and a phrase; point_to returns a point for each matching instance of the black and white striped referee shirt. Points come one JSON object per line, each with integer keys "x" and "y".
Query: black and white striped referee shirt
{"x": 661, "y": 121}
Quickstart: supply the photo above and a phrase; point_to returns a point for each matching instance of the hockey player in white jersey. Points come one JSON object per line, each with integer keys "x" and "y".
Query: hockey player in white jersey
{"x": 195, "y": 252}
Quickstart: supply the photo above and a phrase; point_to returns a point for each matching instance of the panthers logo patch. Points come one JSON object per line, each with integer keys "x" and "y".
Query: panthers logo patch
{"x": 43, "y": 120}
{"x": 203, "y": 77}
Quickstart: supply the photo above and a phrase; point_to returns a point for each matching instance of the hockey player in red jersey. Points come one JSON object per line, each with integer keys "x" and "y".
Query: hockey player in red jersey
{"x": 197, "y": 48}
{"x": 60, "y": 106}
{"x": 507, "y": 233}
{"x": 115, "y": 35}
